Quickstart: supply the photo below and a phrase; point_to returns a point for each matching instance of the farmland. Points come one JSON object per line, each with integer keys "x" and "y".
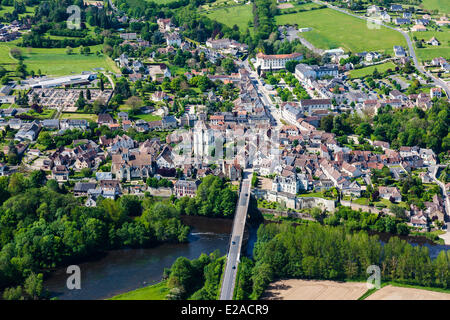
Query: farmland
{"x": 441, "y": 5}
{"x": 237, "y": 15}
{"x": 331, "y": 29}
{"x": 430, "y": 52}
{"x": 87, "y": 116}
{"x": 359, "y": 73}
{"x": 56, "y": 62}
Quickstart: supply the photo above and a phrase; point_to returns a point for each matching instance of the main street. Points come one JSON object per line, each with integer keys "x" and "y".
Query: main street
{"x": 273, "y": 112}
{"x": 234, "y": 251}
{"x": 412, "y": 53}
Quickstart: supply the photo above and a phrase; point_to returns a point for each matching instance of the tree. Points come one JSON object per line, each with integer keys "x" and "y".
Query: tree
{"x": 69, "y": 50}
{"x": 13, "y": 293}
{"x": 86, "y": 172}
{"x": 290, "y": 65}
{"x": 33, "y": 286}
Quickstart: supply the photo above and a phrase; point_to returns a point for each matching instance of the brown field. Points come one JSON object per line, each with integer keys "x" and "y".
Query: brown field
{"x": 297, "y": 289}
{"x": 399, "y": 293}
{"x": 285, "y": 6}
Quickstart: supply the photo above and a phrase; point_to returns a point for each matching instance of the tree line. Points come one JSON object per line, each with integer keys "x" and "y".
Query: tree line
{"x": 43, "y": 227}
{"x": 314, "y": 251}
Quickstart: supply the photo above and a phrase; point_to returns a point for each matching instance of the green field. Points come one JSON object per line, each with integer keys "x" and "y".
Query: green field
{"x": 55, "y": 61}
{"x": 359, "y": 73}
{"x": 430, "y": 52}
{"x": 332, "y": 29}
{"x": 155, "y": 292}
{"x": 147, "y": 117}
{"x": 440, "y": 5}
{"x": 237, "y": 15}
{"x": 87, "y": 116}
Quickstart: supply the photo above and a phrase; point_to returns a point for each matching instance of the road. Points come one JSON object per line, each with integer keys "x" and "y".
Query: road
{"x": 271, "y": 110}
{"x": 234, "y": 251}
{"x": 433, "y": 170}
{"x": 412, "y": 53}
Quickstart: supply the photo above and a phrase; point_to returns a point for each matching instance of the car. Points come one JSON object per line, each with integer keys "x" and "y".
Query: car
{"x": 233, "y": 242}
{"x": 234, "y": 267}
{"x": 246, "y": 194}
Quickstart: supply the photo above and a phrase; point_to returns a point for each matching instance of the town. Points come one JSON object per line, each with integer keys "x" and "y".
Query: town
{"x": 314, "y": 129}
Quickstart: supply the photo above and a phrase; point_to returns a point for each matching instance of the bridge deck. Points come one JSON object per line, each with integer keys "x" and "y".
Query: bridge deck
{"x": 237, "y": 234}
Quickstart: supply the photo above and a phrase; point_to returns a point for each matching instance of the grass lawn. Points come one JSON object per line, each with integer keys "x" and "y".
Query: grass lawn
{"x": 46, "y": 114}
{"x": 147, "y": 117}
{"x": 315, "y": 194}
{"x": 237, "y": 15}
{"x": 360, "y": 73}
{"x": 87, "y": 116}
{"x": 332, "y": 29}
{"x": 155, "y": 292}
{"x": 56, "y": 62}
{"x": 430, "y": 52}
{"x": 440, "y": 5}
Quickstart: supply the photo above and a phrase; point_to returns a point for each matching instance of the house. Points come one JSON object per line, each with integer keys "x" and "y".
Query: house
{"x": 276, "y": 61}
{"x": 385, "y": 17}
{"x": 159, "y": 96}
{"x": 390, "y": 193}
{"x": 401, "y": 21}
{"x": 434, "y": 42}
{"x": 81, "y": 188}
{"x": 5, "y": 90}
{"x": 373, "y": 10}
{"x": 164, "y": 24}
{"x": 423, "y": 22}
{"x": 71, "y": 124}
{"x": 123, "y": 60}
{"x": 395, "y": 94}
{"x": 399, "y": 51}
{"x": 104, "y": 119}
{"x": 158, "y": 72}
{"x": 173, "y": 39}
{"x": 418, "y": 27}
{"x": 396, "y": 8}
{"x": 28, "y": 131}
{"x": 128, "y": 36}
{"x": 443, "y": 22}
{"x": 291, "y": 184}
{"x": 371, "y": 56}
{"x": 169, "y": 122}
{"x": 103, "y": 176}
{"x": 419, "y": 221}
{"x": 183, "y": 188}
{"x": 407, "y": 15}
{"x": 50, "y": 123}
{"x": 435, "y": 93}
{"x": 60, "y": 173}
{"x": 122, "y": 115}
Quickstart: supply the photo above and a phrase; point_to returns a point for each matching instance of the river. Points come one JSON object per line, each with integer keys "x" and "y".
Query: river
{"x": 119, "y": 271}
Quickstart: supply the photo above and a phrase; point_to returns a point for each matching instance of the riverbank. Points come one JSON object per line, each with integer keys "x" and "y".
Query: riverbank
{"x": 154, "y": 292}
{"x": 121, "y": 271}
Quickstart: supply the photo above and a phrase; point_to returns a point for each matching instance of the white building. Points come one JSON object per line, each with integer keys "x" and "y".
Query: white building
{"x": 290, "y": 113}
{"x": 291, "y": 184}
{"x": 304, "y": 72}
{"x": 310, "y": 105}
{"x": 276, "y": 61}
